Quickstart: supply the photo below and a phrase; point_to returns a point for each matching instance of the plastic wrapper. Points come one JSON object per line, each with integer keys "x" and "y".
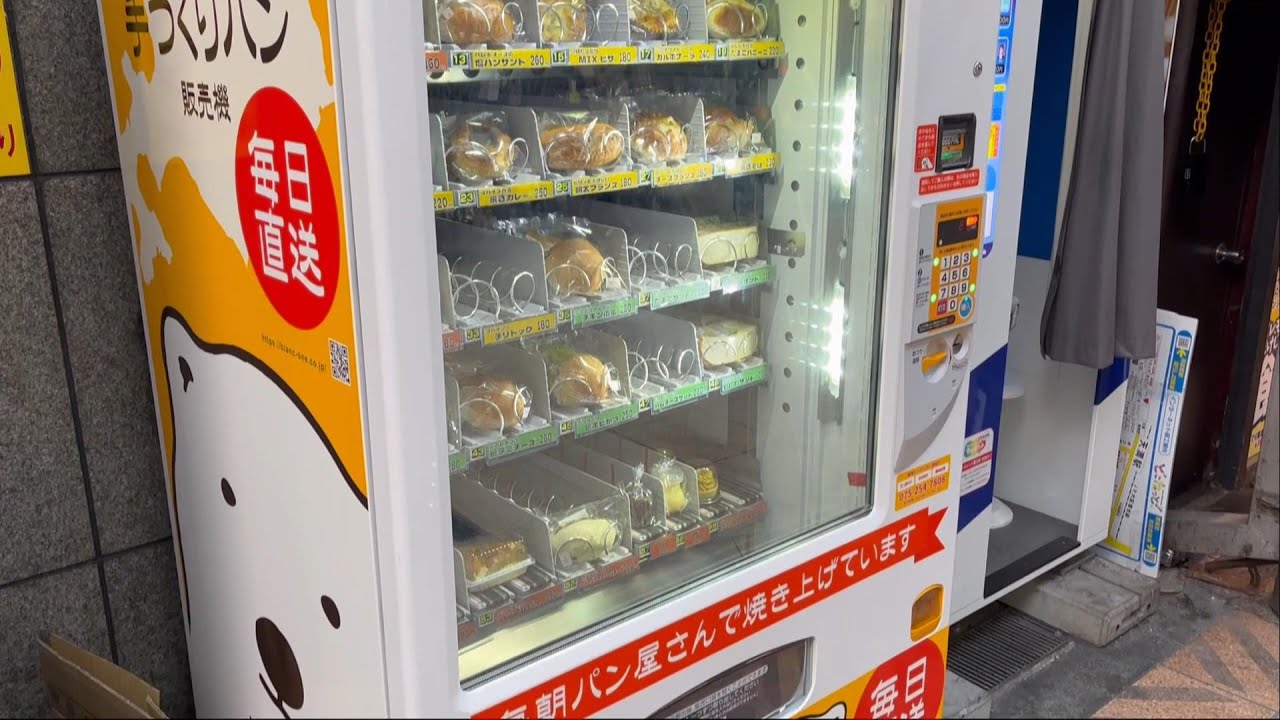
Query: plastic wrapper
{"x": 581, "y": 538}
{"x": 657, "y": 136}
{"x": 721, "y": 242}
{"x": 490, "y": 560}
{"x": 565, "y": 21}
{"x": 493, "y": 403}
{"x": 479, "y": 149}
{"x": 658, "y": 19}
{"x": 579, "y": 140}
{"x": 708, "y": 481}
{"x": 641, "y": 502}
{"x": 730, "y": 133}
{"x": 725, "y": 340}
{"x": 672, "y": 479}
{"x": 736, "y": 19}
{"x": 575, "y": 265}
{"x": 471, "y": 22}
{"x": 578, "y": 379}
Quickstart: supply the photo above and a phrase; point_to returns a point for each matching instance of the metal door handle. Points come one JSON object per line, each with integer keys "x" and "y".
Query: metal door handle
{"x": 1223, "y": 254}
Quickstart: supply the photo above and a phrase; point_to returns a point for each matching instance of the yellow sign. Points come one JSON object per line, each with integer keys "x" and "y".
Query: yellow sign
{"x": 516, "y": 329}
{"x": 922, "y": 482}
{"x": 748, "y": 165}
{"x": 683, "y": 174}
{"x": 511, "y": 194}
{"x": 704, "y": 52}
{"x": 510, "y": 59}
{"x": 605, "y": 183}
{"x": 445, "y": 200}
{"x": 604, "y": 56}
{"x": 755, "y": 49}
{"x": 13, "y": 139}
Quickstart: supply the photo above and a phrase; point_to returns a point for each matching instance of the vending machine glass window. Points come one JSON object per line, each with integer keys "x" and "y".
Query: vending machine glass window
{"x": 660, "y": 229}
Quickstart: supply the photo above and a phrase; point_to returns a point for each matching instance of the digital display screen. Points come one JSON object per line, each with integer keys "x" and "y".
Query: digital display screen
{"x": 961, "y": 229}
{"x": 956, "y": 136}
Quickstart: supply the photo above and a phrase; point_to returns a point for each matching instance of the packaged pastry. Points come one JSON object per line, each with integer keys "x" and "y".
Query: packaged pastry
{"x": 640, "y": 501}
{"x": 563, "y": 21}
{"x": 721, "y": 242}
{"x": 725, "y": 340}
{"x": 579, "y": 141}
{"x": 574, "y": 263}
{"x": 672, "y": 479}
{"x": 584, "y": 540}
{"x": 480, "y": 150}
{"x": 657, "y": 138}
{"x": 492, "y": 403}
{"x": 708, "y": 483}
{"x": 655, "y": 19}
{"x": 579, "y": 379}
{"x": 468, "y": 22}
{"x": 727, "y": 132}
{"x": 735, "y": 19}
{"x": 489, "y": 560}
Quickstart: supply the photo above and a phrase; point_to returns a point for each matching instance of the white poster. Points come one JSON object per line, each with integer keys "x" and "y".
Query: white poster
{"x": 1148, "y": 439}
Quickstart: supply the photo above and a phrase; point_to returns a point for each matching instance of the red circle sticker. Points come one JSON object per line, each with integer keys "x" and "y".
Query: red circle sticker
{"x": 288, "y": 212}
{"x": 910, "y": 685}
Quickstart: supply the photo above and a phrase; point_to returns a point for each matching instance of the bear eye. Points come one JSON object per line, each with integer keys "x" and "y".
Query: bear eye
{"x": 331, "y": 611}
{"x": 227, "y": 493}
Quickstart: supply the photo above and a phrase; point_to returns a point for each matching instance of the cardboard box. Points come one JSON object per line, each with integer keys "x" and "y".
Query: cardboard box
{"x": 82, "y": 685}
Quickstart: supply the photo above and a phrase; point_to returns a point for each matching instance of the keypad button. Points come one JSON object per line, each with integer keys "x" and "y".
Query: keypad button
{"x": 951, "y": 305}
{"x": 942, "y": 292}
{"x": 964, "y": 259}
{"x": 964, "y": 273}
{"x": 946, "y": 262}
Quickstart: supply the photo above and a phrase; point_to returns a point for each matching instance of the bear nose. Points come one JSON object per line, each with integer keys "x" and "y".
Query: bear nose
{"x": 280, "y": 663}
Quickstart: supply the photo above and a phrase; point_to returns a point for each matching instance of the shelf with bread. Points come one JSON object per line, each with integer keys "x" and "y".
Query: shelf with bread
{"x": 490, "y": 155}
{"x": 466, "y": 37}
{"x": 590, "y": 513}
{"x": 512, "y": 400}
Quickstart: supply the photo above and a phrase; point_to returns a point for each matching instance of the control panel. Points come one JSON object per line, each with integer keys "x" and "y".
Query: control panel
{"x": 947, "y": 257}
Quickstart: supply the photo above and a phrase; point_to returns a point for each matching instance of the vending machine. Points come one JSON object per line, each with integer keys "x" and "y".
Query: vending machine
{"x": 559, "y": 358}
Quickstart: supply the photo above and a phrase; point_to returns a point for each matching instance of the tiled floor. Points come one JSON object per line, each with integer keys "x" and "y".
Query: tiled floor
{"x": 1229, "y": 671}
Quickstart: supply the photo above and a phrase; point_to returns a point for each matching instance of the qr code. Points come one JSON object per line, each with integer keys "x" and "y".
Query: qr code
{"x": 339, "y": 361}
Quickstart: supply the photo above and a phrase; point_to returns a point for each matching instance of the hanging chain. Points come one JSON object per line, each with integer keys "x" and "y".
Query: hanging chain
{"x": 1208, "y": 66}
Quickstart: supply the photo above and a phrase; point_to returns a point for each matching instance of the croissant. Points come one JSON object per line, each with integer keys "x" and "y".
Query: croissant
{"x": 563, "y": 20}
{"x": 467, "y": 22}
{"x": 493, "y": 404}
{"x": 581, "y": 146}
{"x": 730, "y": 19}
{"x": 657, "y": 138}
{"x": 479, "y": 152}
{"x": 727, "y": 133}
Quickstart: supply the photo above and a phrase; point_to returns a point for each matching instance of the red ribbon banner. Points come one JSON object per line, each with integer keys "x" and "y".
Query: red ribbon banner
{"x": 595, "y": 685}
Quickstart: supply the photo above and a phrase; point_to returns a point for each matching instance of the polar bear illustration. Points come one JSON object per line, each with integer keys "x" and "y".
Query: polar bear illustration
{"x": 273, "y": 543}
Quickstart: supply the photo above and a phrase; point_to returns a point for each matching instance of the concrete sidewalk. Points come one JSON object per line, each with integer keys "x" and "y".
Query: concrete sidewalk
{"x": 1205, "y": 652}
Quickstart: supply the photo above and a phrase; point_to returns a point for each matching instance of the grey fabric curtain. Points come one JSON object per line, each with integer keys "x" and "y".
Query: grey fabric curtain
{"x": 1102, "y": 296}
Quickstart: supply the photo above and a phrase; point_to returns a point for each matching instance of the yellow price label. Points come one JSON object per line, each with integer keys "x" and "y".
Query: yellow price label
{"x": 510, "y": 59}
{"x": 445, "y": 200}
{"x": 512, "y": 194}
{"x": 477, "y": 453}
{"x": 604, "y": 56}
{"x": 606, "y": 183}
{"x": 704, "y": 52}
{"x": 763, "y": 162}
{"x": 683, "y": 174}
{"x": 755, "y": 49}
{"x": 516, "y": 329}
{"x": 566, "y": 427}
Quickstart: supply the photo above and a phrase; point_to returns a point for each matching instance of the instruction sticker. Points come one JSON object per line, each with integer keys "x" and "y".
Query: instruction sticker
{"x": 922, "y": 482}
{"x": 975, "y": 471}
{"x": 926, "y": 147}
{"x": 949, "y": 181}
